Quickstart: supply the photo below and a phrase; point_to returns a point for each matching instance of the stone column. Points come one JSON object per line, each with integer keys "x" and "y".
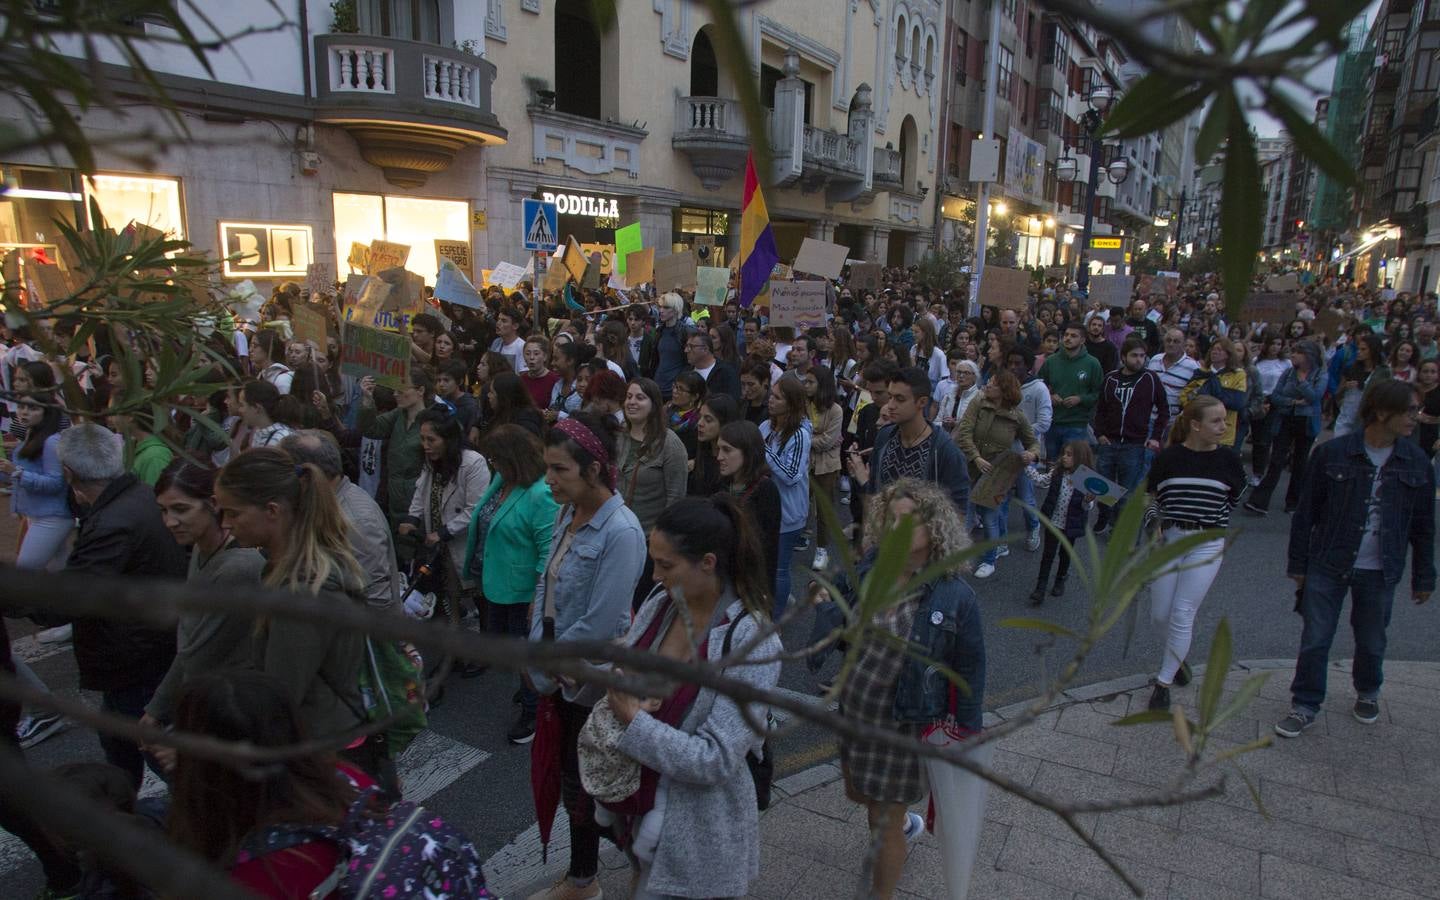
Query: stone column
{"x": 879, "y": 249}
{"x": 823, "y": 230}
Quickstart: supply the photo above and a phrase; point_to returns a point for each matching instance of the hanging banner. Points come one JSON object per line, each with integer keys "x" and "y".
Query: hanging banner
{"x": 369, "y": 351}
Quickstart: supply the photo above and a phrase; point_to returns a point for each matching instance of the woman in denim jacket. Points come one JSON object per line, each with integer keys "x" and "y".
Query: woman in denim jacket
{"x": 1295, "y": 403}
{"x": 893, "y": 689}
{"x": 597, "y": 550}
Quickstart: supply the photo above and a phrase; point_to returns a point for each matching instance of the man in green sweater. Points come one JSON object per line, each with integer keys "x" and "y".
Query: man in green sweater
{"x": 1074, "y": 378}
{"x": 397, "y": 428}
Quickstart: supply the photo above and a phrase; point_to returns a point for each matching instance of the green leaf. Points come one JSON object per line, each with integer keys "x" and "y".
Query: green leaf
{"x": 1242, "y": 699}
{"x": 1148, "y": 717}
{"x": 1038, "y": 625}
{"x": 1241, "y": 208}
{"x": 1254, "y": 791}
{"x": 1213, "y": 128}
{"x": 1309, "y": 139}
{"x": 1216, "y": 670}
{"x": 880, "y": 588}
{"x": 1152, "y": 103}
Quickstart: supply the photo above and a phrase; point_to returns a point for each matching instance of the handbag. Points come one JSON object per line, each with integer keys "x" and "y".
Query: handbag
{"x": 761, "y": 765}
{"x": 606, "y": 774}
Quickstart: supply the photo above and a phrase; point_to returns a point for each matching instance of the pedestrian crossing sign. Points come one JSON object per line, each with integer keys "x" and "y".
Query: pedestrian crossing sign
{"x": 541, "y": 225}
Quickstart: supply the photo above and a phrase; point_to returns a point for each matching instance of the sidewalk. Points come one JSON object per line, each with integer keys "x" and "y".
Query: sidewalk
{"x": 1354, "y": 809}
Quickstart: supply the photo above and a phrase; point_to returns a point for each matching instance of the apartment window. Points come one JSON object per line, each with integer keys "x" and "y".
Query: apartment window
{"x": 1427, "y": 72}
{"x": 1024, "y": 101}
{"x": 417, "y": 221}
{"x": 1030, "y": 34}
{"x": 1078, "y": 193}
{"x": 411, "y": 20}
{"x": 1051, "y": 182}
{"x": 1009, "y": 8}
{"x": 962, "y": 60}
{"x": 1048, "y": 113}
{"x": 1057, "y": 47}
{"x": 952, "y": 154}
{"x": 1006, "y": 65}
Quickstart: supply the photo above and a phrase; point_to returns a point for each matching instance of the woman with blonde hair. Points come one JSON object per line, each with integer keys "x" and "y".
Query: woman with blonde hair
{"x": 1223, "y": 378}
{"x": 290, "y": 513}
{"x": 892, "y": 688}
{"x": 1193, "y": 485}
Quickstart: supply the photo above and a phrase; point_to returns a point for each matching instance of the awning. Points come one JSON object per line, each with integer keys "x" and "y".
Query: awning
{"x": 1362, "y": 247}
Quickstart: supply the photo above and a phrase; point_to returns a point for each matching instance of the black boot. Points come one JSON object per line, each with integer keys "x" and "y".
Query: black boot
{"x": 1037, "y": 596}
{"x": 1159, "y": 697}
{"x": 1059, "y": 589}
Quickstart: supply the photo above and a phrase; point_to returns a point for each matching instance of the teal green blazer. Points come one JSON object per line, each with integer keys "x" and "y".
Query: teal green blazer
{"x": 517, "y": 542}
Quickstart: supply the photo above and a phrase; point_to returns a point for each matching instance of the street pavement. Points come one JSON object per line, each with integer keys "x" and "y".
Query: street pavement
{"x": 474, "y": 778}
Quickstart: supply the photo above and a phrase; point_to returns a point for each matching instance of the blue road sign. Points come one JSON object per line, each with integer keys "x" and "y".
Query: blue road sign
{"x": 541, "y": 225}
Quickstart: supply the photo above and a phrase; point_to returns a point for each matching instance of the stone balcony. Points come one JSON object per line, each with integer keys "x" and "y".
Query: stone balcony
{"x": 711, "y": 131}
{"x": 410, "y": 106}
{"x": 887, "y": 171}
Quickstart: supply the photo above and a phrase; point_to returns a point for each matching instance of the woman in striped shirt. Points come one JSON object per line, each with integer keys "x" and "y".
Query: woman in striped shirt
{"x": 1194, "y": 483}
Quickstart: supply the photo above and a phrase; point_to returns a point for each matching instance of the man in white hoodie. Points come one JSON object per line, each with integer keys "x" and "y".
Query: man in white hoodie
{"x": 1035, "y": 403}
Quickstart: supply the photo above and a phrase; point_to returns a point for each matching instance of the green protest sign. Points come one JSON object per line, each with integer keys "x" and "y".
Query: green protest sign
{"x": 370, "y": 351}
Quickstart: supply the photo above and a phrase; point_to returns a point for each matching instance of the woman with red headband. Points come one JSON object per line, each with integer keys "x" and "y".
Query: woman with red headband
{"x": 597, "y": 550}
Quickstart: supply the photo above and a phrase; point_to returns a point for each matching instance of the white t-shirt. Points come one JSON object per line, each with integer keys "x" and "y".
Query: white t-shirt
{"x": 1369, "y": 555}
{"x": 513, "y": 351}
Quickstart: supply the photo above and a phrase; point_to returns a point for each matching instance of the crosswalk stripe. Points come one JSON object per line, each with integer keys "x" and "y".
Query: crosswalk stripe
{"x": 29, "y": 650}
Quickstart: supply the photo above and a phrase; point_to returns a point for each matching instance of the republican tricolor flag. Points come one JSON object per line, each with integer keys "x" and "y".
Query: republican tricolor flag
{"x": 758, "y": 255}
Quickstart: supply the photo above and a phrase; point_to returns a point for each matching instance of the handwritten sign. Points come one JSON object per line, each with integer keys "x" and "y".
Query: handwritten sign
{"x": 676, "y": 272}
{"x": 309, "y": 324}
{"x": 1089, "y": 481}
{"x": 712, "y": 285}
{"x": 865, "y": 276}
{"x": 507, "y": 275}
{"x": 1282, "y": 283}
{"x": 628, "y": 240}
{"x": 370, "y": 351}
{"x": 318, "y": 280}
{"x": 1268, "y": 307}
{"x": 359, "y": 258}
{"x": 458, "y": 252}
{"x": 386, "y": 255}
{"x": 797, "y": 304}
{"x": 1004, "y": 288}
{"x": 1111, "y": 291}
{"x": 365, "y": 296}
{"x": 821, "y": 258}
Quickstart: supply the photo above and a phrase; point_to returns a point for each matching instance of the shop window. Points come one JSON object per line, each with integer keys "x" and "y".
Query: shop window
{"x": 137, "y": 198}
{"x": 416, "y": 221}
{"x": 578, "y": 58}
{"x": 34, "y": 200}
{"x": 410, "y": 20}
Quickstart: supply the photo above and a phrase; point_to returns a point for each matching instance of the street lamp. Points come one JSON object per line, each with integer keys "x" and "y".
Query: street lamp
{"x": 1102, "y": 98}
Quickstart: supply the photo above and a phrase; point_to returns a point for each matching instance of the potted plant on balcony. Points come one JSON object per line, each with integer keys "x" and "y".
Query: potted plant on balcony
{"x": 343, "y": 17}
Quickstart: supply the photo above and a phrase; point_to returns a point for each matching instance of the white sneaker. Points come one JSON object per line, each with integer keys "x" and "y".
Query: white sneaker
{"x": 1032, "y": 541}
{"x": 984, "y": 570}
{"x": 914, "y": 826}
{"x": 1002, "y": 550}
{"x": 61, "y": 634}
{"x": 822, "y": 558}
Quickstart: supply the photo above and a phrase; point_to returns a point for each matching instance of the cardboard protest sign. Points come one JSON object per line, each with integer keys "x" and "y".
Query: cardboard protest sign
{"x": 555, "y": 278}
{"x": 309, "y": 324}
{"x": 1004, "y": 288}
{"x": 575, "y": 259}
{"x": 458, "y": 252}
{"x": 639, "y": 266}
{"x": 359, "y": 258}
{"x": 370, "y": 351}
{"x": 865, "y": 277}
{"x": 995, "y": 485}
{"x": 593, "y": 273}
{"x": 617, "y": 282}
{"x": 606, "y": 253}
{"x": 820, "y": 258}
{"x": 1268, "y": 307}
{"x": 676, "y": 272}
{"x": 797, "y": 304}
{"x": 782, "y": 272}
{"x": 1282, "y": 283}
{"x": 407, "y": 291}
{"x": 712, "y": 285}
{"x": 1111, "y": 291}
{"x": 1089, "y": 481}
{"x": 452, "y": 286}
{"x": 1055, "y": 273}
{"x": 47, "y": 284}
{"x": 507, "y": 275}
{"x": 1329, "y": 322}
{"x": 318, "y": 280}
{"x": 386, "y": 255}
{"x": 365, "y": 296}
{"x": 628, "y": 240}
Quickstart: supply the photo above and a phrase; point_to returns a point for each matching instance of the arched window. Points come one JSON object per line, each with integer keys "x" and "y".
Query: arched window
{"x": 915, "y": 45}
{"x": 577, "y": 59}
{"x": 704, "y": 70}
{"x": 909, "y": 147}
{"x": 902, "y": 34}
{"x": 930, "y": 55}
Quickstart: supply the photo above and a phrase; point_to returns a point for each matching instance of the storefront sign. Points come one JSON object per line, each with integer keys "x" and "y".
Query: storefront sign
{"x": 583, "y": 205}
{"x": 258, "y": 250}
{"x": 1106, "y": 243}
{"x": 369, "y": 351}
{"x": 797, "y": 304}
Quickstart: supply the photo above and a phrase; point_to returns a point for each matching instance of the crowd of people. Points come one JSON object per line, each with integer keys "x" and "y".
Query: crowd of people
{"x": 648, "y": 470}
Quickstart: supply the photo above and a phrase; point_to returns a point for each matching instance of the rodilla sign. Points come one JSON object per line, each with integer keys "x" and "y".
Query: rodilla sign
{"x": 583, "y": 205}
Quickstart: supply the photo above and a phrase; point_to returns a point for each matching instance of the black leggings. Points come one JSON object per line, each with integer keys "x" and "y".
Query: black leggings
{"x": 584, "y": 833}
{"x": 1048, "y": 553}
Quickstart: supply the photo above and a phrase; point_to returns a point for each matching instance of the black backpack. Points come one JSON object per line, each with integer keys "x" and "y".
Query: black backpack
{"x": 762, "y": 767}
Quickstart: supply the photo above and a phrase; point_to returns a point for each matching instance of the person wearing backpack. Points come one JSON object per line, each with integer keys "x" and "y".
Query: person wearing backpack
{"x": 691, "y": 826}
{"x": 312, "y": 826}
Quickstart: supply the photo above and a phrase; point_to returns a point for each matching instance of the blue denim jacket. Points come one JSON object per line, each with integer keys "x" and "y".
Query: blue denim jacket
{"x": 1330, "y": 520}
{"x": 1295, "y": 397}
{"x": 594, "y": 583}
